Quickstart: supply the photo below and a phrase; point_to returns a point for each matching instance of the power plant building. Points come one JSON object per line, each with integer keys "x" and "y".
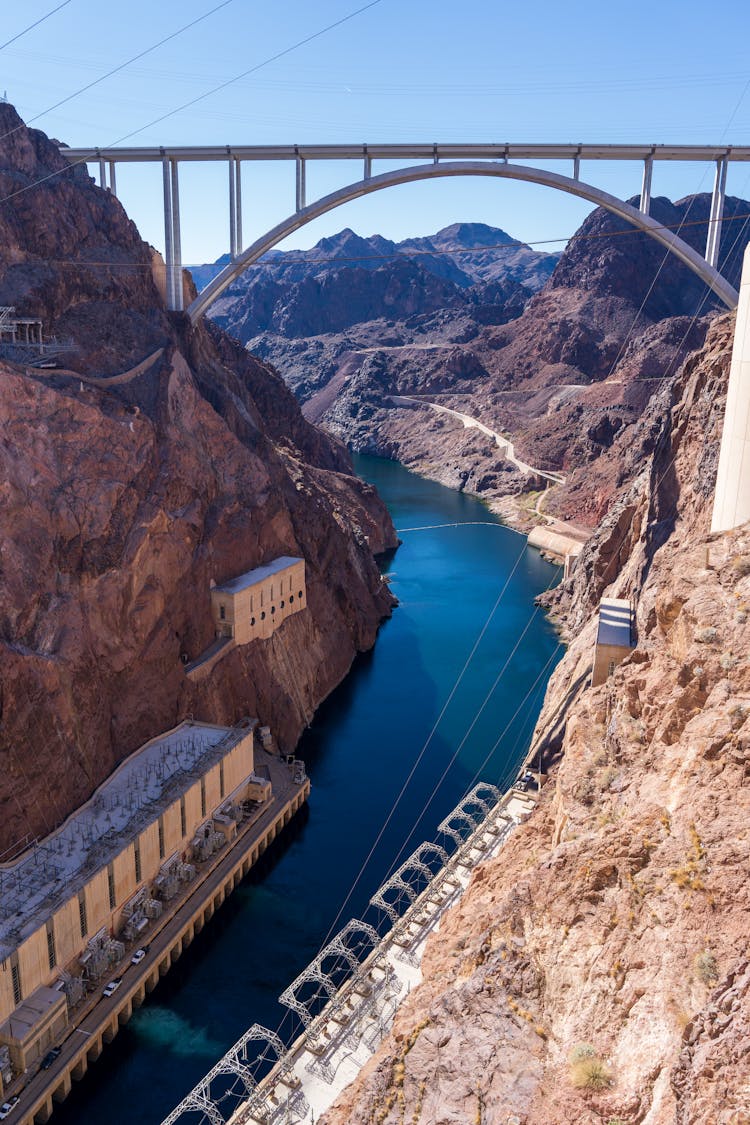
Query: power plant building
{"x": 72, "y": 902}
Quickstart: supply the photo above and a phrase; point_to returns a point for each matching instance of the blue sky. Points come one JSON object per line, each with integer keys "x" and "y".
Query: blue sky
{"x": 422, "y": 70}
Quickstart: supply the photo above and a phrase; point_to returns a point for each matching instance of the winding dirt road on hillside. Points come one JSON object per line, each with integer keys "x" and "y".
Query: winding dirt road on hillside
{"x": 469, "y": 423}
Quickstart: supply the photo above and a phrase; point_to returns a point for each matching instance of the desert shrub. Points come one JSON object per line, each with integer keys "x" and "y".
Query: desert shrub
{"x": 707, "y": 635}
{"x": 706, "y": 967}
{"x": 581, "y": 1051}
{"x": 591, "y": 1074}
{"x": 741, "y": 563}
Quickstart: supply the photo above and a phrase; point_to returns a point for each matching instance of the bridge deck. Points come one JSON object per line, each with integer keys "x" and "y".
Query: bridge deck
{"x": 430, "y": 151}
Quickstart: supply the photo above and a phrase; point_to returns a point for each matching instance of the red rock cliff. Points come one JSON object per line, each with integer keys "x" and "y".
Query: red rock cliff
{"x": 597, "y": 971}
{"x": 126, "y": 486}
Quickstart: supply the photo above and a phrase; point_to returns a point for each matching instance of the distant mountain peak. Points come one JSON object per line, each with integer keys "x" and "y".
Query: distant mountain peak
{"x": 470, "y": 235}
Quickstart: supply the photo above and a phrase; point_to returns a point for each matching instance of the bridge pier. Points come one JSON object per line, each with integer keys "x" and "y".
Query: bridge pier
{"x": 645, "y": 203}
{"x": 732, "y": 498}
{"x": 172, "y": 245}
{"x": 300, "y": 194}
{"x": 717, "y": 210}
{"x": 235, "y": 205}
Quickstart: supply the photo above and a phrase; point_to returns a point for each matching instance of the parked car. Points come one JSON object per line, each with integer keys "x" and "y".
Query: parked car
{"x": 112, "y": 987}
{"x": 50, "y": 1057}
{"x": 138, "y": 956}
{"x": 8, "y": 1106}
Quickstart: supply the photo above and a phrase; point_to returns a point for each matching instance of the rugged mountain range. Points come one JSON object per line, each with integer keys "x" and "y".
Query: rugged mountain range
{"x": 160, "y": 457}
{"x": 347, "y": 280}
{"x": 560, "y": 365}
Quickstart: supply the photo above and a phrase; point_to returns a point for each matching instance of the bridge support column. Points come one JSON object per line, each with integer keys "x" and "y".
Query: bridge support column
{"x": 235, "y": 207}
{"x": 645, "y": 204}
{"x": 300, "y": 183}
{"x": 232, "y": 213}
{"x": 238, "y": 202}
{"x": 112, "y": 180}
{"x": 168, "y": 231}
{"x": 732, "y": 498}
{"x": 176, "y": 241}
{"x": 102, "y": 174}
{"x": 713, "y": 240}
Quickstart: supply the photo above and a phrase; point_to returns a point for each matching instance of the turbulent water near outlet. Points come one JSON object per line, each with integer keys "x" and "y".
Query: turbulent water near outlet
{"x": 359, "y": 751}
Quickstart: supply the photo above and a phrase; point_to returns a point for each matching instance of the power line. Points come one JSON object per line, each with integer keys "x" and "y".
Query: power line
{"x": 118, "y": 68}
{"x": 33, "y": 25}
{"x": 201, "y": 97}
{"x": 411, "y": 253}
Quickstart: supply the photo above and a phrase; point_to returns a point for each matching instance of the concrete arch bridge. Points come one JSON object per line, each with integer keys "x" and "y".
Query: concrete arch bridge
{"x": 434, "y": 161}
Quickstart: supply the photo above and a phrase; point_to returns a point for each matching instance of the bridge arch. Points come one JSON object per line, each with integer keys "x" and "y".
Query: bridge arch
{"x": 672, "y": 242}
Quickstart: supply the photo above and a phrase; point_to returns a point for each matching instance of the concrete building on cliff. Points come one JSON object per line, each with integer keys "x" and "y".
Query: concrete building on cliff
{"x": 72, "y": 903}
{"x": 614, "y": 637}
{"x": 255, "y": 604}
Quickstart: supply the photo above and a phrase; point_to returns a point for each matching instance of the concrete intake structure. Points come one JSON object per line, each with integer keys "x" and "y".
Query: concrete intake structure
{"x": 732, "y": 497}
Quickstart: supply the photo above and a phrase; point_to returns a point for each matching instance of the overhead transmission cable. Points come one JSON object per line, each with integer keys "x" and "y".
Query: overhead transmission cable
{"x": 477, "y": 715}
{"x": 427, "y": 743}
{"x": 411, "y": 253}
{"x": 121, "y": 66}
{"x": 201, "y": 97}
{"x": 523, "y": 702}
{"x": 31, "y": 26}
{"x": 488, "y": 757}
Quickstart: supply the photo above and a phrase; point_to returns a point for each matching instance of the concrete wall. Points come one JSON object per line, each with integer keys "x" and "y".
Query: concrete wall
{"x": 604, "y": 655}
{"x": 732, "y": 498}
{"x": 33, "y": 953}
{"x": 256, "y": 611}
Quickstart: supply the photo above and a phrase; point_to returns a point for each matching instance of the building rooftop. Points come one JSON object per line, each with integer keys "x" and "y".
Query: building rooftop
{"x": 31, "y": 1012}
{"x": 252, "y": 577}
{"x": 38, "y": 882}
{"x": 615, "y": 623}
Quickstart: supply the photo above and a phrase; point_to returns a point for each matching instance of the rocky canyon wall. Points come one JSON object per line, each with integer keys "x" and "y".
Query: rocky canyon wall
{"x": 126, "y": 486}
{"x": 596, "y": 972}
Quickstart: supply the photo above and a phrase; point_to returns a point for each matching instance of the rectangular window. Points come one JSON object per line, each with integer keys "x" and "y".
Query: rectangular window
{"x": 611, "y": 667}
{"x": 161, "y": 837}
{"x": 82, "y": 918}
{"x": 183, "y": 818}
{"x": 137, "y": 858}
{"x": 51, "y": 951}
{"x": 111, "y": 887}
{"x": 15, "y": 973}
{"x": 252, "y": 604}
{"x": 221, "y": 778}
{"x": 203, "y": 796}
{"x": 223, "y": 612}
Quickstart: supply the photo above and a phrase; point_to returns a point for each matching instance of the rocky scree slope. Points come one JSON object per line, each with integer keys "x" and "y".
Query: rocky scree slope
{"x": 563, "y": 372}
{"x": 596, "y": 972}
{"x": 126, "y": 487}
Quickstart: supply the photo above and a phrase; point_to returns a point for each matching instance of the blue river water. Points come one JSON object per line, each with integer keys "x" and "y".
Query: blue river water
{"x": 359, "y": 750}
